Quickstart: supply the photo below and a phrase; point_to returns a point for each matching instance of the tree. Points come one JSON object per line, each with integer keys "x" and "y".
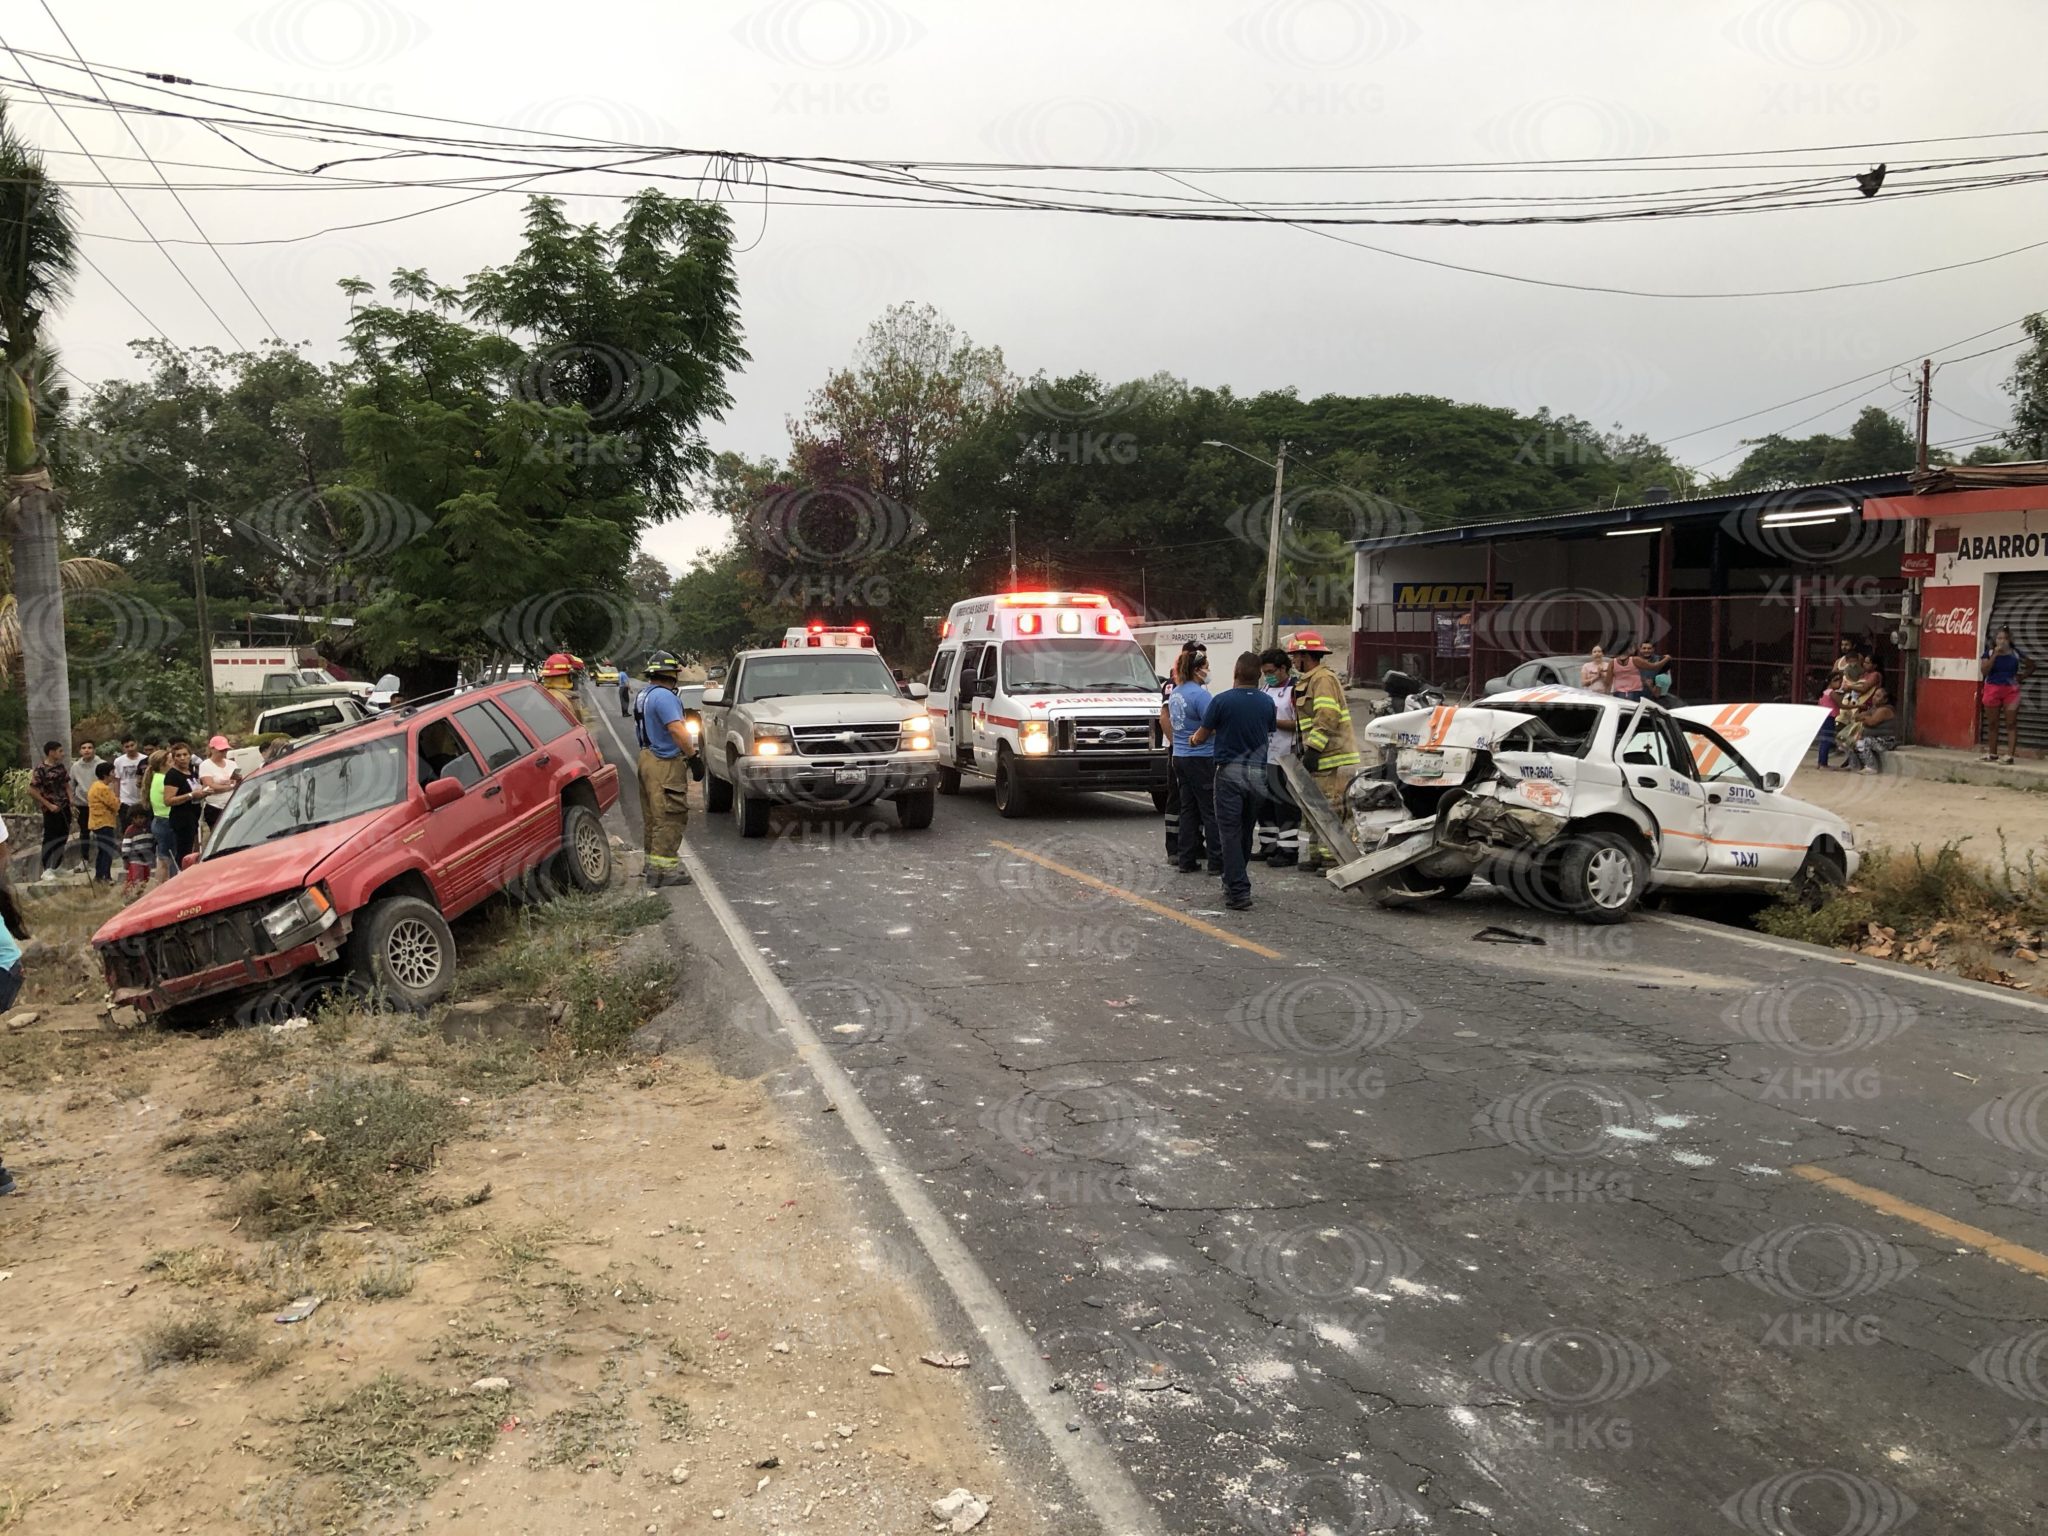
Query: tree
{"x": 2028, "y": 386}
{"x": 38, "y": 256}
{"x": 648, "y": 579}
{"x": 1876, "y": 444}
{"x": 711, "y": 611}
{"x": 515, "y": 463}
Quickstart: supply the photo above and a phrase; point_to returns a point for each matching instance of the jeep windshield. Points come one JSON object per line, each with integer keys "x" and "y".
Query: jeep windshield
{"x": 780, "y": 677}
{"x": 1077, "y": 666}
{"x": 317, "y": 792}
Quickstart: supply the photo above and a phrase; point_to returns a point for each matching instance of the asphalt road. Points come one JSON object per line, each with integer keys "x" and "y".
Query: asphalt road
{"x": 1339, "y": 1219}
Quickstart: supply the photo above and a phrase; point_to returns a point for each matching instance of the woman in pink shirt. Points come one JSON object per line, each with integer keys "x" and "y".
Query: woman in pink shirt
{"x": 1628, "y": 679}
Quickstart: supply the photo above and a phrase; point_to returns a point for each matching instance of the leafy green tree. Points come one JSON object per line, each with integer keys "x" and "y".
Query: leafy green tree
{"x": 1875, "y": 444}
{"x": 531, "y": 449}
{"x": 712, "y": 610}
{"x": 38, "y": 256}
{"x": 2028, "y": 386}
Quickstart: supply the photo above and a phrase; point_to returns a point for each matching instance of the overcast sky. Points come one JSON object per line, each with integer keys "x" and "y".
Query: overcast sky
{"x": 1203, "y": 82}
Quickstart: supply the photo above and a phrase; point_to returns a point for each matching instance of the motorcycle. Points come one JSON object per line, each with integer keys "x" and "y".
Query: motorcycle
{"x": 1406, "y": 692}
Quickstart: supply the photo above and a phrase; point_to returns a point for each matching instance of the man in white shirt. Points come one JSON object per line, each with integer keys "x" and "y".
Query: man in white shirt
{"x": 1277, "y": 838}
{"x": 85, "y": 768}
{"x": 128, "y": 776}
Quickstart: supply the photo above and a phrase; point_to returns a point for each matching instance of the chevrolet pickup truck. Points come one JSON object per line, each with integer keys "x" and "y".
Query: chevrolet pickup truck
{"x": 819, "y": 729}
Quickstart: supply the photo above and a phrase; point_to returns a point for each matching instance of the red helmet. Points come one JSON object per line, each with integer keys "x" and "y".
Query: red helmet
{"x": 558, "y": 665}
{"x": 1306, "y": 642}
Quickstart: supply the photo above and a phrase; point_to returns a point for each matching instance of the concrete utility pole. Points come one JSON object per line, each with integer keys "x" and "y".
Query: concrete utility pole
{"x": 1926, "y": 393}
{"x": 1271, "y": 632}
{"x": 205, "y": 626}
{"x": 1013, "y": 551}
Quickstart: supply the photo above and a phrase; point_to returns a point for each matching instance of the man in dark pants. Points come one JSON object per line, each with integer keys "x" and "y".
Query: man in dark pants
{"x": 50, "y": 785}
{"x": 1190, "y": 652}
{"x": 1237, "y": 727}
{"x": 1195, "y": 768}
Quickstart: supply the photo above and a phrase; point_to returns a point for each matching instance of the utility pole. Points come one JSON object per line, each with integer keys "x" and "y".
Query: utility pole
{"x": 205, "y": 626}
{"x": 1013, "y": 551}
{"x": 1272, "y": 630}
{"x": 1144, "y": 598}
{"x": 1926, "y": 393}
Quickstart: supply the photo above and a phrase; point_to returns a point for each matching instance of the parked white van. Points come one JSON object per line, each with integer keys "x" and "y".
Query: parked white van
{"x": 1045, "y": 691}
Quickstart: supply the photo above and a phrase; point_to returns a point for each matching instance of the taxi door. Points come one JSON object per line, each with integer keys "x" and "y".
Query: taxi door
{"x": 1658, "y": 772}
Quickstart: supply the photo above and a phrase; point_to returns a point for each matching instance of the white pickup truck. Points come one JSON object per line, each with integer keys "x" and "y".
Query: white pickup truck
{"x": 816, "y": 729}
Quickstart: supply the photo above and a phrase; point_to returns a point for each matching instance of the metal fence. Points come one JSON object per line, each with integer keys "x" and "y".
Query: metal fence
{"x": 1773, "y": 646}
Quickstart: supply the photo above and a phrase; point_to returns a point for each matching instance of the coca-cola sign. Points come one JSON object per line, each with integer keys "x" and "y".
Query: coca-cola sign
{"x": 1948, "y": 621}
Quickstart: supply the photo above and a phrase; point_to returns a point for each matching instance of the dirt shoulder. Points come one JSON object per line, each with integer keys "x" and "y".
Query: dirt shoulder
{"x": 560, "y": 1288}
{"x": 1899, "y": 808}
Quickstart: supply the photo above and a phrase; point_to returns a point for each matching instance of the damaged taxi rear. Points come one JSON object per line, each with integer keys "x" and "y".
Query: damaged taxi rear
{"x": 1583, "y": 803}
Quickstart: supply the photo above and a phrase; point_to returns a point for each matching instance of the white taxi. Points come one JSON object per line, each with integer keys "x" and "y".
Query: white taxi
{"x": 1586, "y": 803}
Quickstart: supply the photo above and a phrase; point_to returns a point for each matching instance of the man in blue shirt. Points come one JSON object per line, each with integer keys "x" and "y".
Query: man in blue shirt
{"x": 1235, "y": 730}
{"x": 1195, "y": 769}
{"x": 664, "y": 772}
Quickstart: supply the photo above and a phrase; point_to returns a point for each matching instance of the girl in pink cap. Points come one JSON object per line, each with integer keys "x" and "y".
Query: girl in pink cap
{"x": 217, "y": 779}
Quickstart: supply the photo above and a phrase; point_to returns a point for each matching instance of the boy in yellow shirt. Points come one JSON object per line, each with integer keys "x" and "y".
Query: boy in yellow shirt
{"x": 103, "y": 821}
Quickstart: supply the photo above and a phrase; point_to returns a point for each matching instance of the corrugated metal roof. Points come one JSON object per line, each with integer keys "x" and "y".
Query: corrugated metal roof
{"x": 1679, "y": 509}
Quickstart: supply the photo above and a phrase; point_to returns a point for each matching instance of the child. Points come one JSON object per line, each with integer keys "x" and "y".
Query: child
{"x": 103, "y": 813}
{"x": 138, "y": 852}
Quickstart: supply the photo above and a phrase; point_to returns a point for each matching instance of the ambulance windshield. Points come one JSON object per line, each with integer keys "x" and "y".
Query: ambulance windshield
{"x": 1077, "y": 666}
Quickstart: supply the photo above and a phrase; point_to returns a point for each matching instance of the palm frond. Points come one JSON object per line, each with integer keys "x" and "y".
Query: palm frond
{"x": 85, "y": 572}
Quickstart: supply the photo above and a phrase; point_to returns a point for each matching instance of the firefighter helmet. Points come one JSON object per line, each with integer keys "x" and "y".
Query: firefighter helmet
{"x": 1306, "y": 642}
{"x": 663, "y": 664}
{"x": 558, "y": 665}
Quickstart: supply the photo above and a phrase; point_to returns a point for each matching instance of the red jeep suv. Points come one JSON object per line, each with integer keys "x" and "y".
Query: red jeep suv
{"x": 363, "y": 842}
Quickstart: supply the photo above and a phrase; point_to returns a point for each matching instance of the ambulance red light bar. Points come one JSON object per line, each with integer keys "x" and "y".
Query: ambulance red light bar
{"x": 860, "y": 629}
{"x": 1054, "y": 600}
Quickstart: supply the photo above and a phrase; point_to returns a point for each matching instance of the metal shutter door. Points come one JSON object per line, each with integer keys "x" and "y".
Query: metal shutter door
{"x": 2019, "y": 602}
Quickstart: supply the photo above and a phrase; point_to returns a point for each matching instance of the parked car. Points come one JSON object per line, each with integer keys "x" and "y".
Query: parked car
{"x": 311, "y": 683}
{"x": 1543, "y": 672}
{"x": 1586, "y": 803}
{"x": 299, "y": 720}
{"x": 360, "y": 845}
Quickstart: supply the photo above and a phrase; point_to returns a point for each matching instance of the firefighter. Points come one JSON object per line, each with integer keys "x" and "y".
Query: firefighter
{"x": 558, "y": 676}
{"x": 664, "y": 772}
{"x": 1328, "y": 750}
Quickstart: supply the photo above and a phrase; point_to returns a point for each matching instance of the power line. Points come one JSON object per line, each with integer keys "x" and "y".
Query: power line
{"x": 140, "y": 221}
{"x": 268, "y": 323}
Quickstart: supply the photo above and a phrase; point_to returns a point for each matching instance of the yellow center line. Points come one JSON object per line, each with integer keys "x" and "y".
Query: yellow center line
{"x": 1933, "y": 1221}
{"x": 1139, "y": 901}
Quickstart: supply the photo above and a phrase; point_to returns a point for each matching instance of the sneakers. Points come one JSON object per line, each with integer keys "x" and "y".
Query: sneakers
{"x": 49, "y": 877}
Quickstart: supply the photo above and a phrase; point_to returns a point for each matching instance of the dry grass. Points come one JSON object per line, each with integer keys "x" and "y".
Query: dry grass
{"x": 371, "y": 1440}
{"x": 204, "y": 1333}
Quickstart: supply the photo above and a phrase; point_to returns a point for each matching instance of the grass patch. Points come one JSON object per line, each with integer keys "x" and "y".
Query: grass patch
{"x": 371, "y": 1440}
{"x": 187, "y": 1337}
{"x": 350, "y": 1150}
{"x": 672, "y": 1414}
{"x": 386, "y": 1282}
{"x": 1944, "y": 901}
{"x": 199, "y": 1268}
{"x": 597, "y": 1432}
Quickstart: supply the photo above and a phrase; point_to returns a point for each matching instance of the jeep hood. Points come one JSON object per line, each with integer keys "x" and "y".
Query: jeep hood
{"x": 277, "y": 869}
{"x": 1771, "y": 738}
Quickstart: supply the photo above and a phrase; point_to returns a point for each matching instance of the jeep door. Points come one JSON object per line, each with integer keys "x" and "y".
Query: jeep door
{"x": 1658, "y": 772}
{"x": 518, "y": 784}
{"x": 451, "y": 837}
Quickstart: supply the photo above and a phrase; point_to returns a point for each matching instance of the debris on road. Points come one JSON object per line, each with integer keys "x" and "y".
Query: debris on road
{"x": 880, "y": 1370}
{"x": 1493, "y": 934}
{"x": 299, "y": 1310}
{"x": 961, "y": 1508}
{"x": 947, "y": 1360}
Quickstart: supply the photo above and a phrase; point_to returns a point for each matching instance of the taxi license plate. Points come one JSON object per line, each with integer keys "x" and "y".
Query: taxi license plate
{"x": 849, "y": 775}
{"x": 1422, "y": 761}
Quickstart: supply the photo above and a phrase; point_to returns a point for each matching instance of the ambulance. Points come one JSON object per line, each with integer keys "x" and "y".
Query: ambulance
{"x": 1045, "y": 691}
{"x": 845, "y": 637}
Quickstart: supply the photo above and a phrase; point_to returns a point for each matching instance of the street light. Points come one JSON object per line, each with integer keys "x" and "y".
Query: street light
{"x": 1279, "y": 469}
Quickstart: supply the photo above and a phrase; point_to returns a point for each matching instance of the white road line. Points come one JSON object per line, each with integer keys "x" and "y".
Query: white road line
{"x": 1976, "y": 990}
{"x": 1119, "y": 1508}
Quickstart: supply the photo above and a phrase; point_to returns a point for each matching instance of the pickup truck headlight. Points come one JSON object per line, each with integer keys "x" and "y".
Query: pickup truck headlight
{"x": 917, "y": 733}
{"x": 773, "y": 740}
{"x": 294, "y": 921}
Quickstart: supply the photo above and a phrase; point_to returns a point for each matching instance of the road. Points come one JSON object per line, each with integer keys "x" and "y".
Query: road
{"x": 1335, "y": 1218}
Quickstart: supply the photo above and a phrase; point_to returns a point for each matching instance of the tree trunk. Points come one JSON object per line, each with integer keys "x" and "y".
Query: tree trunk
{"x": 39, "y": 600}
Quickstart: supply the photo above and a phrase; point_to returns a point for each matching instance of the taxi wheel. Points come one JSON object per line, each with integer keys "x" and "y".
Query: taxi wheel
{"x": 949, "y": 781}
{"x": 404, "y": 952}
{"x": 1823, "y": 873}
{"x": 1601, "y": 876}
{"x": 914, "y": 811}
{"x": 717, "y": 793}
{"x": 1012, "y": 799}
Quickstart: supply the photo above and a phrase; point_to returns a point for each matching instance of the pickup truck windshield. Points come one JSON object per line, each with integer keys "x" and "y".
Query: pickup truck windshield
{"x": 1077, "y": 666}
{"x": 778, "y": 677}
{"x": 297, "y": 797}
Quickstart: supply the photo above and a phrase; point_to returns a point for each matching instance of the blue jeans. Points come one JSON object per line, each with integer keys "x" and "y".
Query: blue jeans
{"x": 1197, "y": 777}
{"x": 1240, "y": 789}
{"x": 166, "y": 837}
{"x": 10, "y": 985}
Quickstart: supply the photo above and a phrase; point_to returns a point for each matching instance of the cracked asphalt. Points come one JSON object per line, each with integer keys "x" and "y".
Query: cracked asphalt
{"x": 1404, "y": 1230}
